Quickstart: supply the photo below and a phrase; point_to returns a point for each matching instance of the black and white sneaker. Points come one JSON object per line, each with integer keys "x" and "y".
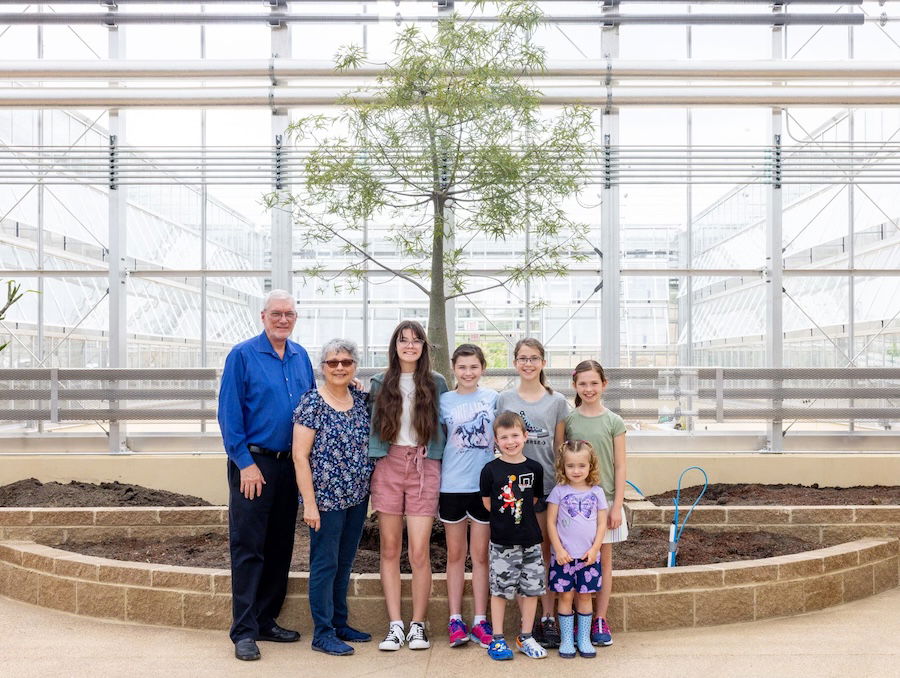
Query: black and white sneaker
{"x": 416, "y": 637}
{"x": 393, "y": 640}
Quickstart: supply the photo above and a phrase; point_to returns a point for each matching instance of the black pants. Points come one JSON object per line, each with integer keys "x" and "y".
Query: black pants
{"x": 261, "y": 537}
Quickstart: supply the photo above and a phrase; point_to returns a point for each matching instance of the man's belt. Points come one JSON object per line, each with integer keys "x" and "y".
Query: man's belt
{"x": 265, "y": 451}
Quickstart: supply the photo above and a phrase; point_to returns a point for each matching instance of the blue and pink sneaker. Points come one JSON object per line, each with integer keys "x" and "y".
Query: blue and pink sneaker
{"x": 600, "y": 634}
{"x": 482, "y": 633}
{"x": 459, "y": 634}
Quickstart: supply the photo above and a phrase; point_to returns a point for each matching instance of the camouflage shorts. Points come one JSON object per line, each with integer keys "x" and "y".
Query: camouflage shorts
{"x": 516, "y": 570}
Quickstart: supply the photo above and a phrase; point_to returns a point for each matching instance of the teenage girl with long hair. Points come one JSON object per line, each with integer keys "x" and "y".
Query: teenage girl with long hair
{"x": 605, "y": 431}
{"x": 408, "y": 443}
{"x": 544, "y": 412}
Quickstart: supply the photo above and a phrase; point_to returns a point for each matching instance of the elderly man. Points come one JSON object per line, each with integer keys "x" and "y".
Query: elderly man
{"x": 262, "y": 382}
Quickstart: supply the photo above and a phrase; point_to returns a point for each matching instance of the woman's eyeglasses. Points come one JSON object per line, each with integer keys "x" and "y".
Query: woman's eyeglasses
{"x": 346, "y": 362}
{"x": 410, "y": 342}
{"x": 530, "y": 360}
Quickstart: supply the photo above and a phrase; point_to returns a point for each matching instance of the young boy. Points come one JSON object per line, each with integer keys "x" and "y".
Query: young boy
{"x": 510, "y": 486}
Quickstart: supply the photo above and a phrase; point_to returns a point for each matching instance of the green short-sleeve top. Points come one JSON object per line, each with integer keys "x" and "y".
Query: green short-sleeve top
{"x": 599, "y": 431}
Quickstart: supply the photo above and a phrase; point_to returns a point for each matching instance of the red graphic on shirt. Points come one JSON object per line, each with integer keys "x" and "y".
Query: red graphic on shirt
{"x": 510, "y": 504}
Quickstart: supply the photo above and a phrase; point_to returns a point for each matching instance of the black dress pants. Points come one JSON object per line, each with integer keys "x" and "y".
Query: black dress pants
{"x": 261, "y": 538}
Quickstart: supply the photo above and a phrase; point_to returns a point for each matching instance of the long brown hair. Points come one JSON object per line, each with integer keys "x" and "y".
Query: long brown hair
{"x": 531, "y": 342}
{"x": 389, "y": 402}
{"x": 586, "y": 366}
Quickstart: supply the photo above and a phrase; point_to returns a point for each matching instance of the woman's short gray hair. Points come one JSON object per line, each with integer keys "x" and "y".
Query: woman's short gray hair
{"x": 339, "y": 346}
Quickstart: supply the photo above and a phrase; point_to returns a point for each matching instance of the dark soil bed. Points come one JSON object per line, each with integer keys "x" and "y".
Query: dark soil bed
{"x": 646, "y": 547}
{"x": 32, "y": 492}
{"x": 211, "y": 550}
{"x": 751, "y": 494}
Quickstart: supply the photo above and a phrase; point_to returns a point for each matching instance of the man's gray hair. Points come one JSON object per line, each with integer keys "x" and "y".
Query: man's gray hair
{"x": 279, "y": 295}
{"x": 339, "y": 346}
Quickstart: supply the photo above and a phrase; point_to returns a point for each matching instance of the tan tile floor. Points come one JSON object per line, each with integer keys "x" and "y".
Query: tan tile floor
{"x": 857, "y": 640}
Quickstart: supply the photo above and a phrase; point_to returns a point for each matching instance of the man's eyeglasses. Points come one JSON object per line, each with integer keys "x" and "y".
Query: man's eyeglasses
{"x": 346, "y": 362}
{"x": 278, "y": 315}
{"x": 410, "y": 342}
{"x": 530, "y": 360}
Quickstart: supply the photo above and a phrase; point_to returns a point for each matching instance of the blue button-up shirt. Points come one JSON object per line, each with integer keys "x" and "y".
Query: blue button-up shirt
{"x": 258, "y": 394}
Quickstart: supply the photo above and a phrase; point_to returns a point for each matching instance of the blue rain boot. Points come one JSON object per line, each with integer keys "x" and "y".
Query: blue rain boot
{"x": 585, "y": 649}
{"x": 567, "y": 635}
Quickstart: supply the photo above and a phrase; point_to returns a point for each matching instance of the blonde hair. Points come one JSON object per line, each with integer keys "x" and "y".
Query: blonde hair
{"x": 574, "y": 447}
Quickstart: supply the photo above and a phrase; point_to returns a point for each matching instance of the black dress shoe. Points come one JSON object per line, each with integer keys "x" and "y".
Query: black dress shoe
{"x": 277, "y": 634}
{"x": 245, "y": 650}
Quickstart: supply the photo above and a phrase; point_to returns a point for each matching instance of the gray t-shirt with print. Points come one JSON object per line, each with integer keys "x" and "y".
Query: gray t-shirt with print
{"x": 541, "y": 418}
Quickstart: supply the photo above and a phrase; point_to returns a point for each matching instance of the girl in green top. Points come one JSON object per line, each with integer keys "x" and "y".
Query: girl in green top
{"x": 605, "y": 430}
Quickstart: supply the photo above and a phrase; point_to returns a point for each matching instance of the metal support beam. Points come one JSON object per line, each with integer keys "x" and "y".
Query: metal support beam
{"x": 41, "y": 236}
{"x": 775, "y": 253}
{"x": 117, "y": 240}
{"x": 552, "y": 95}
{"x": 278, "y": 17}
{"x": 204, "y": 237}
{"x": 610, "y": 226}
{"x": 686, "y": 309}
{"x": 283, "y": 69}
{"x": 281, "y": 221}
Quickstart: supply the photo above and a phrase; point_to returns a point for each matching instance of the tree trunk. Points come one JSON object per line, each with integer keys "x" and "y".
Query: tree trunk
{"x": 437, "y": 306}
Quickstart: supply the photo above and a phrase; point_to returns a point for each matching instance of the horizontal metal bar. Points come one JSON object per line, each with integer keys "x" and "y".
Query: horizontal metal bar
{"x": 613, "y": 373}
{"x": 290, "y": 69}
{"x": 113, "y": 374}
{"x": 279, "y": 18}
{"x": 631, "y": 393}
{"x": 745, "y": 414}
{"x": 806, "y": 413}
{"x": 118, "y": 414}
{"x": 629, "y": 272}
{"x": 288, "y": 96}
{"x": 110, "y": 394}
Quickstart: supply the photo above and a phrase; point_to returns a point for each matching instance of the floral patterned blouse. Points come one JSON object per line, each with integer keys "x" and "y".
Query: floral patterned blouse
{"x": 339, "y": 458}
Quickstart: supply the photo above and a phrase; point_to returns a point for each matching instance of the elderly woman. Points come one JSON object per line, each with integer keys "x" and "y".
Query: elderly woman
{"x": 330, "y": 451}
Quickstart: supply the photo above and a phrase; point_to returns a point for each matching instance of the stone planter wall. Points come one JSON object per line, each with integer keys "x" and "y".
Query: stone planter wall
{"x": 61, "y": 525}
{"x": 817, "y": 524}
{"x": 643, "y": 600}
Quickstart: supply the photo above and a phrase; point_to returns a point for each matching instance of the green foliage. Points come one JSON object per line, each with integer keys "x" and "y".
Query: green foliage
{"x": 448, "y": 145}
{"x": 13, "y": 294}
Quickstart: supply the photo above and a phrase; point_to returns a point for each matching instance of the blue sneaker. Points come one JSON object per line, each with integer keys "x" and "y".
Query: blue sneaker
{"x": 600, "y": 634}
{"x": 351, "y": 635}
{"x": 330, "y": 644}
{"x": 499, "y": 650}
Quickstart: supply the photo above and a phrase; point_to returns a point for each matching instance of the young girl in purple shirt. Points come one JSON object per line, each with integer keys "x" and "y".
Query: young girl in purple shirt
{"x": 576, "y": 523}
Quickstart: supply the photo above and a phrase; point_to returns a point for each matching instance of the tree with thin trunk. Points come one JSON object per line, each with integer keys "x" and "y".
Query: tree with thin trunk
{"x": 448, "y": 146}
{"x": 13, "y": 294}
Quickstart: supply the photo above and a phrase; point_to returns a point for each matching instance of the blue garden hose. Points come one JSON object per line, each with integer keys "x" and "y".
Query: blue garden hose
{"x": 636, "y": 488}
{"x": 674, "y": 530}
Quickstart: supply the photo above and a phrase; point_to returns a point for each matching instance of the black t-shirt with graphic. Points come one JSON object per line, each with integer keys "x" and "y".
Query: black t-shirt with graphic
{"x": 512, "y": 489}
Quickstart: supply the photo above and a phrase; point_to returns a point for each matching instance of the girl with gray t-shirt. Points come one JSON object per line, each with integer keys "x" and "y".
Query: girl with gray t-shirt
{"x": 544, "y": 412}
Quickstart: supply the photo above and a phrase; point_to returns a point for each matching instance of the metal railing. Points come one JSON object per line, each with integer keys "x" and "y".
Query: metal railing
{"x": 717, "y": 394}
